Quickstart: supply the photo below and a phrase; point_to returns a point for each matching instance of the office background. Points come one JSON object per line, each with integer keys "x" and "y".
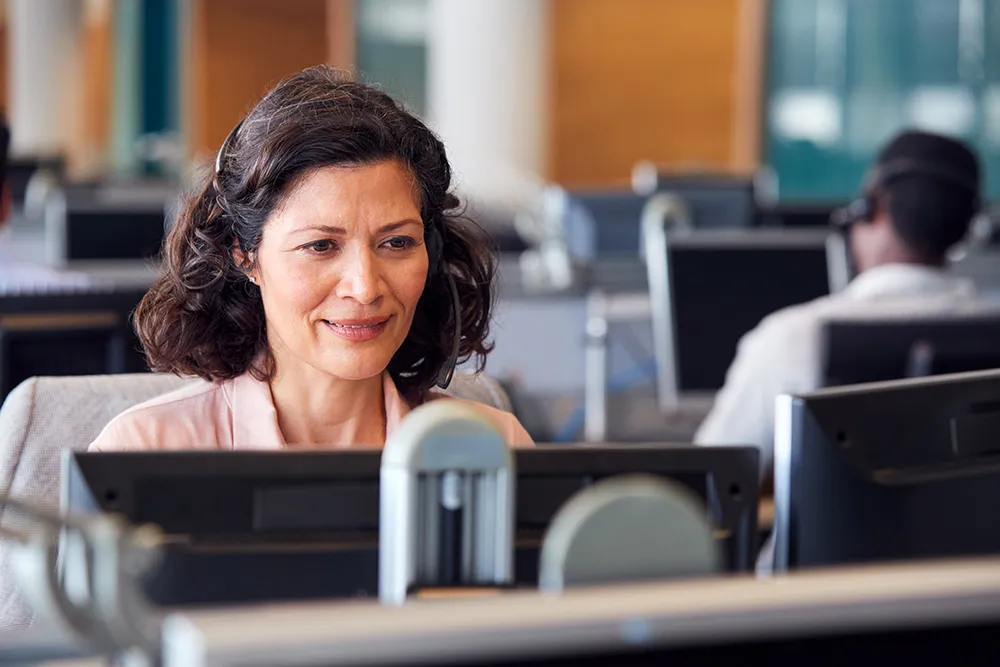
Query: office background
{"x": 525, "y": 93}
{"x": 574, "y": 91}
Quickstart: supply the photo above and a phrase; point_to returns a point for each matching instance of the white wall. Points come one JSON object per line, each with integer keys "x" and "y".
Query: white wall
{"x": 487, "y": 93}
{"x": 43, "y": 43}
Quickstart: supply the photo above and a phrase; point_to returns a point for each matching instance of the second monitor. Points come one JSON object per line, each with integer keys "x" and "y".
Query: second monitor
{"x": 888, "y": 471}
{"x": 720, "y": 285}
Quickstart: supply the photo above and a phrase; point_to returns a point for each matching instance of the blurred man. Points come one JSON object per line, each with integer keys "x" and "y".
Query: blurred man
{"x": 919, "y": 200}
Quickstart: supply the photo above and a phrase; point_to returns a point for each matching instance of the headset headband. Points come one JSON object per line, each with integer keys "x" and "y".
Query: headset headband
{"x": 893, "y": 170}
{"x": 224, "y": 148}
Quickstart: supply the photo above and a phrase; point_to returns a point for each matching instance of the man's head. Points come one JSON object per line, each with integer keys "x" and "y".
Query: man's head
{"x": 922, "y": 194}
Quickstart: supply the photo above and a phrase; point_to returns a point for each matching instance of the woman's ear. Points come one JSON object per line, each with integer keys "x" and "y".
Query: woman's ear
{"x": 245, "y": 262}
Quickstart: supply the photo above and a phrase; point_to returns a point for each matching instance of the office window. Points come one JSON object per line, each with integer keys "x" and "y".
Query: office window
{"x": 844, "y": 75}
{"x": 391, "y": 43}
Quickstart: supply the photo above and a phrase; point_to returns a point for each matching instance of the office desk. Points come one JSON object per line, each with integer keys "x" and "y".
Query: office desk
{"x": 38, "y": 647}
{"x": 593, "y": 623}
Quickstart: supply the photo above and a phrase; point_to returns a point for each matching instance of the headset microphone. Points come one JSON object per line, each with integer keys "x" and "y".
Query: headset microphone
{"x": 448, "y": 370}
{"x": 435, "y": 256}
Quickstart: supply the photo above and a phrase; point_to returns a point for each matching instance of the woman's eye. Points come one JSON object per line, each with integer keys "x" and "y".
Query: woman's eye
{"x": 320, "y": 246}
{"x": 400, "y": 243}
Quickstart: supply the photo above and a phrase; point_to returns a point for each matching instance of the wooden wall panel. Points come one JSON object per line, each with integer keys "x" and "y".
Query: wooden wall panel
{"x": 751, "y": 65}
{"x": 341, "y": 42}
{"x": 240, "y": 48}
{"x": 642, "y": 79}
{"x": 89, "y": 140}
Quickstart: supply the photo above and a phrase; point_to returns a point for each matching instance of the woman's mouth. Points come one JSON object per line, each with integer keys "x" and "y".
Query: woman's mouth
{"x": 358, "y": 330}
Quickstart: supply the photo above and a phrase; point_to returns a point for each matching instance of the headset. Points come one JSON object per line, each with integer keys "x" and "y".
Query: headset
{"x": 434, "y": 240}
{"x": 863, "y": 208}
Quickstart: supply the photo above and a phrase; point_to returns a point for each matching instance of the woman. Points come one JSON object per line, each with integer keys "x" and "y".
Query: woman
{"x": 321, "y": 284}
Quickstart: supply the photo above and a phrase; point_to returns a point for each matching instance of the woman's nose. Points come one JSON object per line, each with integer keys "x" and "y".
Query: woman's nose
{"x": 360, "y": 279}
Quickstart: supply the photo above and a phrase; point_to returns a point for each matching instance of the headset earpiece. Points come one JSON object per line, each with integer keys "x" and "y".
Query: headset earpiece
{"x": 436, "y": 267}
{"x": 864, "y": 208}
{"x": 859, "y": 210}
{"x": 220, "y": 157}
{"x": 447, "y": 371}
{"x": 435, "y": 251}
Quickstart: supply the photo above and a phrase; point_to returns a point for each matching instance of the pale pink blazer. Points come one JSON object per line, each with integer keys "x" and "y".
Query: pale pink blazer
{"x": 239, "y": 414}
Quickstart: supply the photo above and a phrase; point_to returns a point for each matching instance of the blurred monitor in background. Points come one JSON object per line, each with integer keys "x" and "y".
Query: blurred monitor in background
{"x": 878, "y": 350}
{"x": 107, "y": 222}
{"x": 815, "y": 215}
{"x": 722, "y": 284}
{"x": 607, "y": 223}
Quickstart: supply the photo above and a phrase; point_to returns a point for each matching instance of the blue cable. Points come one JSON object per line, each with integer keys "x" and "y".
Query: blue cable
{"x": 570, "y": 429}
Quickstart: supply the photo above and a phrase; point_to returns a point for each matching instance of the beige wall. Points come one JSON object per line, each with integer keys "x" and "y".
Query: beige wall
{"x": 673, "y": 81}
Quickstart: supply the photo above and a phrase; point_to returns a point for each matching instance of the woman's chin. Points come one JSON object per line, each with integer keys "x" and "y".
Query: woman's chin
{"x": 355, "y": 370}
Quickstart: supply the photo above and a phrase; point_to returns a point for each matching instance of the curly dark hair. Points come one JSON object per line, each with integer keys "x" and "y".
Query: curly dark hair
{"x": 203, "y": 318}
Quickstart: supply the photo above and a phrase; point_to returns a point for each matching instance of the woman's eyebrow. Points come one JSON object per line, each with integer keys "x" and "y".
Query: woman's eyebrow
{"x": 334, "y": 231}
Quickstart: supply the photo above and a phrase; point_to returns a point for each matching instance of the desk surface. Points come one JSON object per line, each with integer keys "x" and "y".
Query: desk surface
{"x": 521, "y": 625}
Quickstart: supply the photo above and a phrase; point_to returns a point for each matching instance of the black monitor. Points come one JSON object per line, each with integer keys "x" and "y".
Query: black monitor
{"x": 721, "y": 285}
{"x": 252, "y": 526}
{"x": 714, "y": 201}
{"x": 888, "y": 471}
{"x": 107, "y": 222}
{"x": 606, "y": 223}
{"x": 85, "y": 332}
{"x": 95, "y": 348}
{"x": 98, "y": 235}
{"x": 807, "y": 215}
{"x": 21, "y": 169}
{"x": 603, "y": 223}
{"x": 877, "y": 350}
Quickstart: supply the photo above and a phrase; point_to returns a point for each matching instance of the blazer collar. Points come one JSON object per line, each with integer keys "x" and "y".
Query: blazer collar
{"x": 255, "y": 419}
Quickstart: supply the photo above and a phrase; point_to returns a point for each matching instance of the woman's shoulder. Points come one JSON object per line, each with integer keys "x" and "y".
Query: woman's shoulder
{"x": 508, "y": 424}
{"x": 187, "y": 418}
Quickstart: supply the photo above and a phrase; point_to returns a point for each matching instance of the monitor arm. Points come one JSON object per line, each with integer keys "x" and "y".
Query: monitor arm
{"x": 99, "y": 604}
{"x": 446, "y": 503}
{"x": 664, "y": 214}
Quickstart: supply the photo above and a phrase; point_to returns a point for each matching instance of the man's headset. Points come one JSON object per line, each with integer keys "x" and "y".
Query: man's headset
{"x": 433, "y": 238}
{"x": 864, "y": 207}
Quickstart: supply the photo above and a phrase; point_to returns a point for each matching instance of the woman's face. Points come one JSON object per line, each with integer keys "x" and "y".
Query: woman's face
{"x": 341, "y": 266}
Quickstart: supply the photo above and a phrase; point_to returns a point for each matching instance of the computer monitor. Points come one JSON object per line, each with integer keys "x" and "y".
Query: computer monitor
{"x": 85, "y": 332}
{"x": 877, "y": 350}
{"x": 797, "y": 216}
{"x": 252, "y": 526}
{"x": 603, "y": 223}
{"x": 714, "y": 201}
{"x": 88, "y": 349}
{"x": 888, "y": 471}
{"x": 20, "y": 170}
{"x": 103, "y": 222}
{"x": 720, "y": 285}
{"x": 607, "y": 223}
